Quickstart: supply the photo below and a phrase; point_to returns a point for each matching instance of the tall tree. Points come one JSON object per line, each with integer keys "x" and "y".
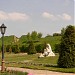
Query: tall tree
{"x": 34, "y": 35}
{"x": 67, "y": 48}
{"x": 62, "y": 31}
{"x": 28, "y": 36}
{"x": 39, "y": 35}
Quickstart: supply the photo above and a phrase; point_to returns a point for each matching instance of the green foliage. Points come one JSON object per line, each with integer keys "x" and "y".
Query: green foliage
{"x": 31, "y": 48}
{"x": 39, "y": 35}
{"x": 15, "y": 49}
{"x": 56, "y": 34}
{"x": 67, "y": 48}
{"x": 25, "y": 40}
{"x": 28, "y": 36}
{"x": 8, "y": 48}
{"x": 23, "y": 48}
{"x": 39, "y": 48}
{"x": 52, "y": 40}
{"x": 34, "y": 35}
{"x": 8, "y": 39}
{"x": 48, "y": 35}
{"x": 57, "y": 48}
{"x": 0, "y": 48}
{"x": 62, "y": 31}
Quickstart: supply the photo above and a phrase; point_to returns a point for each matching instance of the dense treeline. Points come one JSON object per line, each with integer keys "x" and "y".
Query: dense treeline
{"x": 16, "y": 45}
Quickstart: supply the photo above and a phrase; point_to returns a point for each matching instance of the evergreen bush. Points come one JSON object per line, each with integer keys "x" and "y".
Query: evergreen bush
{"x": 31, "y": 48}
{"x": 23, "y": 48}
{"x": 15, "y": 49}
{"x": 67, "y": 48}
{"x": 39, "y": 48}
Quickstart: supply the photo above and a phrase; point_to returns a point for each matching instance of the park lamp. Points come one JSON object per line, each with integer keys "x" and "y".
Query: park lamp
{"x": 3, "y": 29}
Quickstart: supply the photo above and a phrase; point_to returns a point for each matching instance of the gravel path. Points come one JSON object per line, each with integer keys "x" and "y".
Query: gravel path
{"x": 38, "y": 72}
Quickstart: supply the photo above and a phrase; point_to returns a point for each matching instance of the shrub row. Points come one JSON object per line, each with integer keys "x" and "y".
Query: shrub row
{"x": 30, "y": 49}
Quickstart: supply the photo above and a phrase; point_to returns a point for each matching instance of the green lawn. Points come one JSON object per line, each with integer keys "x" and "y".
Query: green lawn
{"x": 30, "y": 58}
{"x": 32, "y": 61}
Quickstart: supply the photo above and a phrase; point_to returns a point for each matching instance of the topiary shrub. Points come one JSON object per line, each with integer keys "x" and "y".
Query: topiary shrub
{"x": 67, "y": 48}
{"x": 15, "y": 49}
{"x": 31, "y": 48}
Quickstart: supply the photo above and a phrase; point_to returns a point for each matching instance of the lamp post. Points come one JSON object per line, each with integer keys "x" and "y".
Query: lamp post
{"x": 3, "y": 29}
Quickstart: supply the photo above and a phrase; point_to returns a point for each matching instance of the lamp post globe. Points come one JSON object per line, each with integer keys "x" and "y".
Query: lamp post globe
{"x": 3, "y": 29}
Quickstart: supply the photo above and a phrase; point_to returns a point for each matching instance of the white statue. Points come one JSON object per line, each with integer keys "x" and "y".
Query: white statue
{"x": 47, "y": 52}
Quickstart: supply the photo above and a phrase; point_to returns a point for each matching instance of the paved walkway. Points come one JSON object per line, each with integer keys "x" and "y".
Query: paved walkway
{"x": 38, "y": 72}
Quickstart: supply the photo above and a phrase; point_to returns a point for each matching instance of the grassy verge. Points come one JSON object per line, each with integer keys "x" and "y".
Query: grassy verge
{"x": 32, "y": 62}
{"x": 14, "y": 73}
{"x": 44, "y": 67}
{"x": 56, "y": 69}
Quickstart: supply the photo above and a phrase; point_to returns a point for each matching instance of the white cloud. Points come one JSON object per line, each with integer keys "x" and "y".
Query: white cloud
{"x": 3, "y": 15}
{"x": 18, "y": 16}
{"x": 66, "y": 17}
{"x": 54, "y": 17}
{"x": 47, "y": 15}
{"x": 13, "y": 16}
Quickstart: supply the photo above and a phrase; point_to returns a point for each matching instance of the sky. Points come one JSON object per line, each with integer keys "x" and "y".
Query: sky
{"x": 45, "y": 16}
